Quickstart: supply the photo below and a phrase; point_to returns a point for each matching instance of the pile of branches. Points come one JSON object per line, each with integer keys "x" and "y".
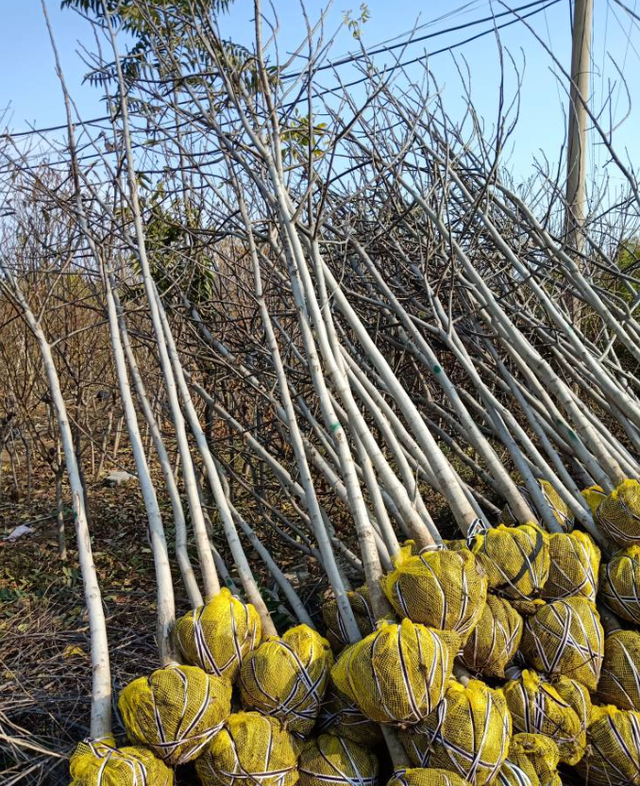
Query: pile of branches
{"x": 340, "y": 338}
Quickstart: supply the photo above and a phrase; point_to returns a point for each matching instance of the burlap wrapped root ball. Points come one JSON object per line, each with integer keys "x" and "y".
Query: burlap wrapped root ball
{"x": 100, "y": 763}
{"x": 620, "y": 676}
{"x": 398, "y": 674}
{"x": 533, "y": 759}
{"x": 620, "y": 584}
{"x": 619, "y": 514}
{"x": 613, "y": 750}
{"x": 360, "y": 606}
{"x": 495, "y": 639}
{"x": 561, "y": 511}
{"x": 515, "y": 559}
{"x": 594, "y": 496}
{"x": 561, "y": 710}
{"x": 439, "y": 588}
{"x": 336, "y": 761}
{"x": 341, "y": 716}
{"x": 250, "y": 750}
{"x": 424, "y": 777}
{"x": 574, "y": 562}
{"x": 217, "y": 636}
{"x": 468, "y": 733}
{"x": 175, "y": 711}
{"x": 287, "y": 677}
{"x": 566, "y": 637}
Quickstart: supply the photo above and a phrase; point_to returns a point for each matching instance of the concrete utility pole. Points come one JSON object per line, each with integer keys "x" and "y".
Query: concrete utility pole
{"x": 578, "y": 121}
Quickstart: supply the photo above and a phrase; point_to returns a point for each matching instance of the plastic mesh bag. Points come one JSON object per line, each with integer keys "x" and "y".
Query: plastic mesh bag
{"x": 613, "y": 753}
{"x": 574, "y": 561}
{"x": 511, "y": 774}
{"x": 287, "y": 677}
{"x": 341, "y": 716}
{"x": 100, "y": 763}
{"x": 439, "y": 588}
{"x": 426, "y": 777}
{"x": 399, "y": 673}
{"x": 362, "y": 611}
{"x": 330, "y": 760}
{"x": 537, "y": 707}
{"x": 594, "y": 496}
{"x": 620, "y": 677}
{"x": 175, "y": 711}
{"x": 566, "y": 637}
{"x": 515, "y": 559}
{"x": 619, "y": 514}
{"x": 620, "y": 584}
{"x": 536, "y": 754}
{"x": 217, "y": 636}
{"x": 468, "y": 733}
{"x": 495, "y": 639}
{"x": 250, "y": 750}
{"x": 561, "y": 511}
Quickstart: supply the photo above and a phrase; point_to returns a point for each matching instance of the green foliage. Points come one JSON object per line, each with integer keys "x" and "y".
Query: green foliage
{"x": 301, "y": 136}
{"x": 355, "y": 24}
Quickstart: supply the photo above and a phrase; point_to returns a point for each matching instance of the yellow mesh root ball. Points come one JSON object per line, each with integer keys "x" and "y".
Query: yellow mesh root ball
{"x": 613, "y": 752}
{"x": 562, "y": 513}
{"x": 426, "y": 777}
{"x": 399, "y": 673}
{"x": 515, "y": 559}
{"x": 250, "y": 750}
{"x": 620, "y": 677}
{"x": 341, "y": 716}
{"x": 468, "y": 733}
{"x": 574, "y": 564}
{"x": 511, "y": 774}
{"x": 330, "y": 760}
{"x": 566, "y": 637}
{"x": 287, "y": 677}
{"x": 216, "y": 637}
{"x": 537, "y": 707}
{"x": 100, "y": 763}
{"x": 175, "y": 711}
{"x": 495, "y": 639}
{"x": 594, "y": 496}
{"x": 620, "y": 584}
{"x": 536, "y": 753}
{"x": 619, "y": 514}
{"x": 362, "y": 611}
{"x": 439, "y": 588}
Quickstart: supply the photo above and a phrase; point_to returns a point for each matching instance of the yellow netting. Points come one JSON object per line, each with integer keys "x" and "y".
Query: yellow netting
{"x": 595, "y": 496}
{"x": 536, "y": 754}
{"x": 619, "y": 514}
{"x": 620, "y": 584}
{"x": 426, "y": 777}
{"x": 566, "y": 637}
{"x": 537, "y": 707}
{"x": 511, "y": 774}
{"x": 439, "y": 588}
{"x": 398, "y": 674}
{"x": 330, "y": 760}
{"x": 620, "y": 677}
{"x": 100, "y": 763}
{"x": 340, "y": 715}
{"x": 287, "y": 677}
{"x": 217, "y": 636}
{"x": 250, "y": 750}
{"x": 362, "y": 611}
{"x": 574, "y": 564}
{"x": 468, "y": 733}
{"x": 613, "y": 753}
{"x": 175, "y": 711}
{"x": 561, "y": 511}
{"x": 515, "y": 559}
{"x": 495, "y": 639}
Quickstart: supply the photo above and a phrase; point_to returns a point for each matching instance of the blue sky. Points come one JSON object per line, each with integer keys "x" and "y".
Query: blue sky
{"x": 29, "y": 88}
